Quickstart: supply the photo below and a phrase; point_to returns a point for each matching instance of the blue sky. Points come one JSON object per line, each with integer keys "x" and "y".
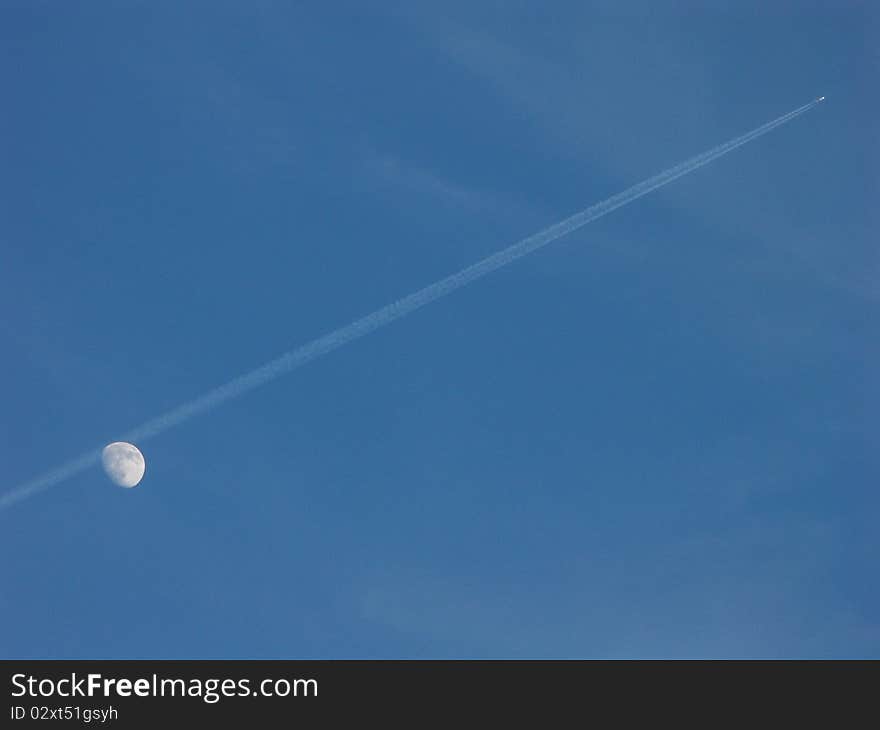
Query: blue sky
{"x": 654, "y": 438}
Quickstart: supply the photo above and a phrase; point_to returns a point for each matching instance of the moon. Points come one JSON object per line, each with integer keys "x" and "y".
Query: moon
{"x": 124, "y": 463}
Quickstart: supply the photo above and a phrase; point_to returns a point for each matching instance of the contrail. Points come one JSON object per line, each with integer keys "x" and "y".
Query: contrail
{"x": 391, "y": 312}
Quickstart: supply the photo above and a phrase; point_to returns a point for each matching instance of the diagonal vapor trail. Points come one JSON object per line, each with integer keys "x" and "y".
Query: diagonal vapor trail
{"x": 386, "y": 315}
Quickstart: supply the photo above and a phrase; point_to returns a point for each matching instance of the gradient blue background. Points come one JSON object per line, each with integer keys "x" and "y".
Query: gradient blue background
{"x": 655, "y": 438}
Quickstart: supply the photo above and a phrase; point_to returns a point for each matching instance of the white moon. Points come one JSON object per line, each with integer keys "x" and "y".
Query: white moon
{"x": 124, "y": 463}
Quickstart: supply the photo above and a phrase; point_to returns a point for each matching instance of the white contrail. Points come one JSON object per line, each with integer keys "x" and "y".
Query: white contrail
{"x": 387, "y": 314}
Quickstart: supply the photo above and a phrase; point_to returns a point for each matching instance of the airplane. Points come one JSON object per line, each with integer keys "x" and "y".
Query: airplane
{"x": 821, "y": 98}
